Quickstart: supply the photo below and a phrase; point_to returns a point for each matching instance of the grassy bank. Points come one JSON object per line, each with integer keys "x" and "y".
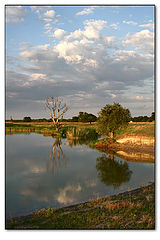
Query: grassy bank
{"x": 11, "y": 128}
{"x": 138, "y": 129}
{"x": 141, "y": 129}
{"x": 137, "y": 136}
{"x": 84, "y": 131}
{"x": 130, "y": 210}
{"x": 71, "y": 130}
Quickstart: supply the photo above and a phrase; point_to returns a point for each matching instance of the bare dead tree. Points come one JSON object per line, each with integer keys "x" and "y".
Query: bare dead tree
{"x": 57, "y": 109}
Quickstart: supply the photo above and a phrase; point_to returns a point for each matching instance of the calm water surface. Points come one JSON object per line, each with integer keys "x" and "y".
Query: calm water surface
{"x": 44, "y": 172}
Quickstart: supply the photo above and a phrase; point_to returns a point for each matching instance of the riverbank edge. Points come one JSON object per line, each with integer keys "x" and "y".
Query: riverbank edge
{"x": 128, "y": 146}
{"x": 20, "y": 221}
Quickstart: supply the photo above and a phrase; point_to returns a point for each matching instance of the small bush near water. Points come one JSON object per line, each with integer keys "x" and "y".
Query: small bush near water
{"x": 82, "y": 133}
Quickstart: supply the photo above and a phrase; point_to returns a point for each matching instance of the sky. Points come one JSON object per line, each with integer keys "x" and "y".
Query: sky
{"x": 89, "y": 56}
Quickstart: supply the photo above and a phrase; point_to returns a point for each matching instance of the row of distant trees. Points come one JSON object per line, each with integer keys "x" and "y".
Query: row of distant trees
{"x": 82, "y": 117}
{"x": 144, "y": 118}
{"x": 88, "y": 117}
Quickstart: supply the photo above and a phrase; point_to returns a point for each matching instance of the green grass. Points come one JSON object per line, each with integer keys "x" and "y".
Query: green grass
{"x": 28, "y": 128}
{"x": 79, "y": 130}
{"x": 145, "y": 129}
{"x": 131, "y": 210}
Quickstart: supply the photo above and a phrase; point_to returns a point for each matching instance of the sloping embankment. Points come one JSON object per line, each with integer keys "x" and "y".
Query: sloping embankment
{"x": 138, "y": 140}
{"x": 131, "y": 147}
{"x": 130, "y": 210}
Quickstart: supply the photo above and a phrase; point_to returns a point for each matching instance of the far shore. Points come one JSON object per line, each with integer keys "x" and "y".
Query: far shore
{"x": 135, "y": 143}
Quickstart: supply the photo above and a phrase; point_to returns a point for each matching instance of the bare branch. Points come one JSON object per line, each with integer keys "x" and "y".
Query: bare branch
{"x": 56, "y": 110}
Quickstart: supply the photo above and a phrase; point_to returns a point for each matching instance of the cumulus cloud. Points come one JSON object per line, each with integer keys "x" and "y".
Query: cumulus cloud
{"x": 86, "y": 68}
{"x": 85, "y": 11}
{"x": 143, "y": 40}
{"x": 15, "y": 14}
{"x": 92, "y": 29}
{"x": 81, "y": 72}
{"x": 59, "y": 33}
{"x": 49, "y": 14}
{"x": 45, "y": 14}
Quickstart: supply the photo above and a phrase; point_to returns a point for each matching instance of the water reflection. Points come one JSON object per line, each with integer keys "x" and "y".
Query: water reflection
{"x": 56, "y": 157}
{"x": 84, "y": 175}
{"x": 75, "y": 142}
{"x": 147, "y": 157}
{"x": 112, "y": 172}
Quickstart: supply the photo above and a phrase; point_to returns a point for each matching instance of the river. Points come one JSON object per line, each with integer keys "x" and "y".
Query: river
{"x": 44, "y": 172}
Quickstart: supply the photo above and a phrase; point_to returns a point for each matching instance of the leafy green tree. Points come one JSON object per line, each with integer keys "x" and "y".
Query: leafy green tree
{"x": 86, "y": 117}
{"x": 111, "y": 118}
{"x": 27, "y": 119}
{"x": 82, "y": 117}
{"x": 92, "y": 118}
{"x": 112, "y": 172}
{"x": 74, "y": 119}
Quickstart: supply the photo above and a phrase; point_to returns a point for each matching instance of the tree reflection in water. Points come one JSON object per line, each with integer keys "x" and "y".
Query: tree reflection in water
{"x": 75, "y": 142}
{"x": 56, "y": 157}
{"x": 112, "y": 172}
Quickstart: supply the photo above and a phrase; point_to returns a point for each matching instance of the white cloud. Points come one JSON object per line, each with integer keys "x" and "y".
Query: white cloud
{"x": 37, "y": 77}
{"x": 92, "y": 30}
{"x": 85, "y": 65}
{"x": 143, "y": 40}
{"x": 85, "y": 11}
{"x": 37, "y": 9}
{"x": 45, "y": 14}
{"x": 48, "y": 27}
{"x": 84, "y": 50}
{"x": 130, "y": 23}
{"x": 147, "y": 25}
{"x": 97, "y": 24}
{"x": 59, "y": 33}
{"x": 35, "y": 53}
{"x": 115, "y": 26}
{"x": 109, "y": 39}
{"x": 69, "y": 51}
{"x": 15, "y": 14}
{"x": 49, "y": 14}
